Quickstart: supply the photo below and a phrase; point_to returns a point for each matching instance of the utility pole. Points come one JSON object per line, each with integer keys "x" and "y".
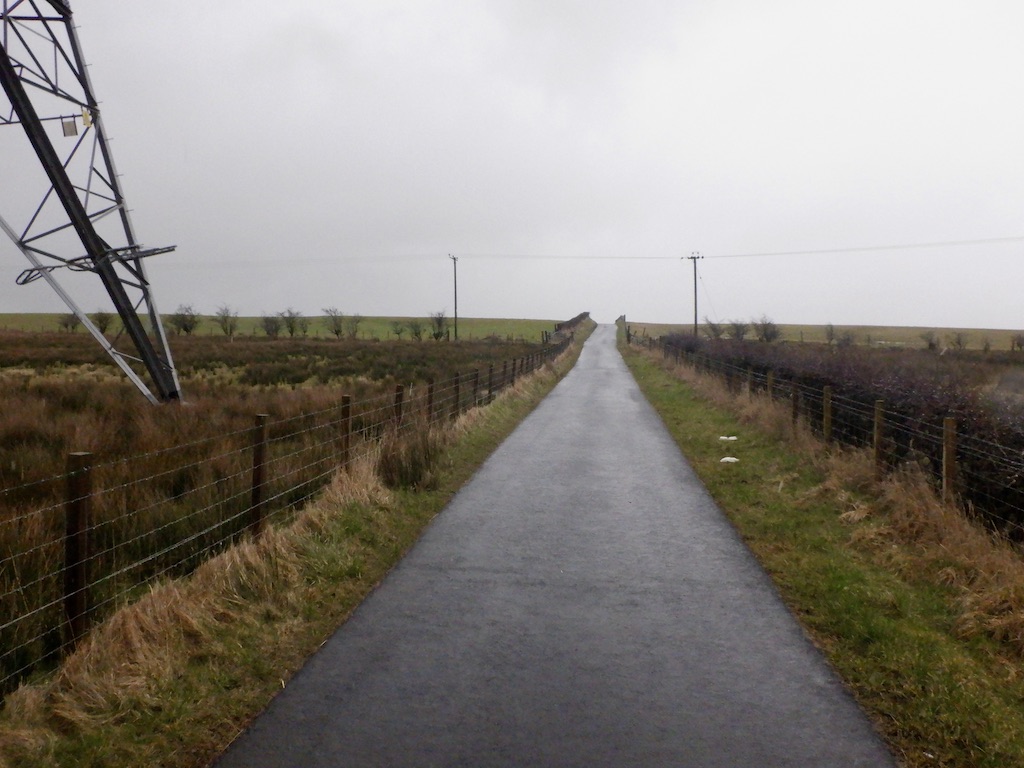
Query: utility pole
{"x": 694, "y": 256}
{"x": 455, "y": 275}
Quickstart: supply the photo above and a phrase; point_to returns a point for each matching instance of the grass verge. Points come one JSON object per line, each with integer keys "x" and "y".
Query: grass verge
{"x": 172, "y": 679}
{"x": 917, "y": 609}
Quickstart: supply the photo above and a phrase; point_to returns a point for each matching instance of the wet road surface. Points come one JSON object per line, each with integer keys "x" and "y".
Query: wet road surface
{"x": 581, "y": 602}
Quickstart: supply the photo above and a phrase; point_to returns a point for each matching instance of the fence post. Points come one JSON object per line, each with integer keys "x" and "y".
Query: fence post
{"x": 259, "y": 456}
{"x": 457, "y": 398}
{"x": 879, "y": 432}
{"x": 430, "y": 401}
{"x": 948, "y": 458}
{"x": 399, "y": 399}
{"x": 490, "y": 383}
{"x": 476, "y": 387}
{"x": 78, "y": 513}
{"x": 504, "y": 374}
{"x": 826, "y": 414}
{"x": 770, "y": 384}
{"x": 512, "y": 370}
{"x": 346, "y": 429}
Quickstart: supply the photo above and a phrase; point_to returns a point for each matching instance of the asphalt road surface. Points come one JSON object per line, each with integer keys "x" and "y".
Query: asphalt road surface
{"x": 581, "y": 602}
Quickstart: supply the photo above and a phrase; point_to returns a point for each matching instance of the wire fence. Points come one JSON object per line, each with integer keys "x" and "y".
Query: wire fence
{"x": 110, "y": 527}
{"x": 984, "y": 474}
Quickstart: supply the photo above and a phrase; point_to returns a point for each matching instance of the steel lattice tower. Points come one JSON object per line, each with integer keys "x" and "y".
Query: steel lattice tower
{"x": 81, "y": 222}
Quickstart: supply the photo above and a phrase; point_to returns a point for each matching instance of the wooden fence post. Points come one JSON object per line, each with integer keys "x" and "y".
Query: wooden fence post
{"x": 476, "y": 387}
{"x": 259, "y": 457}
{"x": 490, "y": 383}
{"x": 826, "y": 414}
{"x": 504, "y": 374}
{"x": 948, "y": 459}
{"x": 399, "y": 400}
{"x": 879, "y": 433}
{"x": 346, "y": 430}
{"x": 78, "y": 514}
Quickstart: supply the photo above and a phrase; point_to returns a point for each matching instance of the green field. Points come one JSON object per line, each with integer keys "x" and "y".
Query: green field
{"x": 369, "y": 327}
{"x": 874, "y": 335}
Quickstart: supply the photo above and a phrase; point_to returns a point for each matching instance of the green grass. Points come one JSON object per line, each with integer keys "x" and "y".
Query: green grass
{"x": 877, "y": 335}
{"x": 938, "y": 700}
{"x": 369, "y": 328}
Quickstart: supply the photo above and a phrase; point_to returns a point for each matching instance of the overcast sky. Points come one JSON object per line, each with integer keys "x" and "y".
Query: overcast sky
{"x": 316, "y": 154}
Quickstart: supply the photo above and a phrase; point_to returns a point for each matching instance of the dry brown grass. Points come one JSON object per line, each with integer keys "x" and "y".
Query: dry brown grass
{"x": 126, "y": 664}
{"x": 901, "y": 521}
{"x": 286, "y": 584}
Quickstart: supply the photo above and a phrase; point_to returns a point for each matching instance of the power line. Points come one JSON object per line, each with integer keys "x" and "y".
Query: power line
{"x": 497, "y": 256}
{"x": 867, "y": 248}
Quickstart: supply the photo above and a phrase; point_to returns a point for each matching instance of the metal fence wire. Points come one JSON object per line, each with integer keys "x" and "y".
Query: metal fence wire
{"x": 115, "y": 525}
{"x": 985, "y": 475}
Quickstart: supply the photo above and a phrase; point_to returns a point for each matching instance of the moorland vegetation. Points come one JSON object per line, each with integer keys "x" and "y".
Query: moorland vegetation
{"x": 174, "y": 482}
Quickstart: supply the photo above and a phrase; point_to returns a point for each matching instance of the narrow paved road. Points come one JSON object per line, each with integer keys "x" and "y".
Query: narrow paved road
{"x": 581, "y": 602}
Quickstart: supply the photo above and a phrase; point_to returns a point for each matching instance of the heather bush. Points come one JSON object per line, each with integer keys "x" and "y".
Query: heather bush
{"x": 173, "y": 483}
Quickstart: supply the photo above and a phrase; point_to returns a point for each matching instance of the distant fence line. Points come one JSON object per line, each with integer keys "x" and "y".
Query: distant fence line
{"x": 118, "y": 524}
{"x": 985, "y": 476}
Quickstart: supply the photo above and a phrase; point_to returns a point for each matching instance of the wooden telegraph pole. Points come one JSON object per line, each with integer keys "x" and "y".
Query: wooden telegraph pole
{"x": 455, "y": 275}
{"x": 694, "y": 256}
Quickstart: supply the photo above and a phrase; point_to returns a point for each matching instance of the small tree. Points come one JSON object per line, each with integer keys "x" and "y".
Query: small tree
{"x": 69, "y": 322}
{"x": 334, "y": 320}
{"x": 291, "y": 319}
{"x": 766, "y": 330}
{"x": 398, "y": 328}
{"x": 226, "y": 320}
{"x": 738, "y": 329}
{"x": 438, "y": 325}
{"x": 185, "y": 319}
{"x": 102, "y": 319}
{"x": 271, "y": 325}
{"x": 1017, "y": 342}
{"x": 352, "y": 325}
{"x": 416, "y": 328}
{"x": 714, "y": 330}
{"x": 957, "y": 341}
{"x": 931, "y": 340}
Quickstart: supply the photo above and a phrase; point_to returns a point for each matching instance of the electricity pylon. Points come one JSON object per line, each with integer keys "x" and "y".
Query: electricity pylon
{"x": 81, "y": 222}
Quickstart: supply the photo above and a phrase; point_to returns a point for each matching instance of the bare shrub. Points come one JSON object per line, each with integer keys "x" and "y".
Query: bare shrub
{"x": 352, "y": 323}
{"x": 334, "y": 320}
{"x": 712, "y": 329}
{"x": 227, "y": 320}
{"x": 185, "y": 320}
{"x": 271, "y": 325}
{"x": 102, "y": 320}
{"x": 69, "y": 322}
{"x": 738, "y": 329}
{"x": 439, "y": 325}
{"x": 766, "y": 330}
